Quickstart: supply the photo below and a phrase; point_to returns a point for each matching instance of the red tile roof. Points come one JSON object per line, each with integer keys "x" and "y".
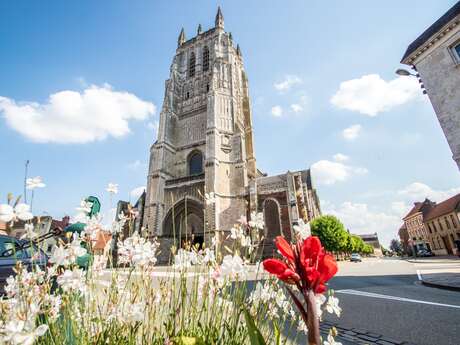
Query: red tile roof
{"x": 444, "y": 207}
{"x": 415, "y": 209}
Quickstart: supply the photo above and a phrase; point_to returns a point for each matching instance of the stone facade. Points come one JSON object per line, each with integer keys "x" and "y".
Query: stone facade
{"x": 434, "y": 226}
{"x": 435, "y": 55}
{"x": 205, "y": 145}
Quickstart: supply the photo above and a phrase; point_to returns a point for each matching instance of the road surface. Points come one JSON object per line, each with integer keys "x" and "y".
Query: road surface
{"x": 385, "y": 296}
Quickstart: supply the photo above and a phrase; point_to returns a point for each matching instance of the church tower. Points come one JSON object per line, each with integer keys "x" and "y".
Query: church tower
{"x": 204, "y": 143}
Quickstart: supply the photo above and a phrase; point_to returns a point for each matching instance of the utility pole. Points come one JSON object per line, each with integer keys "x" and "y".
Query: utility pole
{"x": 25, "y": 181}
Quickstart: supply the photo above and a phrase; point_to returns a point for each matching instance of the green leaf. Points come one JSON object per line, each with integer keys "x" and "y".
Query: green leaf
{"x": 277, "y": 334}
{"x": 255, "y": 336}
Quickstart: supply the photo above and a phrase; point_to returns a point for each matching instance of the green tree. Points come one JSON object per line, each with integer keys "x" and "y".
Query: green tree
{"x": 331, "y": 232}
{"x": 395, "y": 246}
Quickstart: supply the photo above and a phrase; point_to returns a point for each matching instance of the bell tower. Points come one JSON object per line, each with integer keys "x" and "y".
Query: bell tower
{"x": 205, "y": 141}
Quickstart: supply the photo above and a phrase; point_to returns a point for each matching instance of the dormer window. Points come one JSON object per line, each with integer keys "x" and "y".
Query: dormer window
{"x": 191, "y": 65}
{"x": 205, "y": 59}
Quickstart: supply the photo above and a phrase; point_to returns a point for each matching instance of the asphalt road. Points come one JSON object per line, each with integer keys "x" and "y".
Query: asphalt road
{"x": 384, "y": 296}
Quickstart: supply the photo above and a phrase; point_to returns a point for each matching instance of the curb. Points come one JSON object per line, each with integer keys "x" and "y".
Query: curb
{"x": 440, "y": 286}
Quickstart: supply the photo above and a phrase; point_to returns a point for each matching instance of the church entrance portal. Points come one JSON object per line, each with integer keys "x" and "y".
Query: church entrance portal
{"x": 185, "y": 222}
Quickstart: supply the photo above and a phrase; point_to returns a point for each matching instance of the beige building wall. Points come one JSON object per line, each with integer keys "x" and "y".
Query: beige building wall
{"x": 442, "y": 232}
{"x": 437, "y": 61}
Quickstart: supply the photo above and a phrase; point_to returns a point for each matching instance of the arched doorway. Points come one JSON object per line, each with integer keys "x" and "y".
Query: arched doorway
{"x": 185, "y": 222}
{"x": 272, "y": 218}
{"x": 272, "y": 226}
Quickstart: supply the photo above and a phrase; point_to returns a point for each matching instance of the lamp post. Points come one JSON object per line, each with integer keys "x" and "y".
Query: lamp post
{"x": 405, "y": 73}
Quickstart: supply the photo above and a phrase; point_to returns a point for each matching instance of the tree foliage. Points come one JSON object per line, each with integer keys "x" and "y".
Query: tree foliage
{"x": 331, "y": 232}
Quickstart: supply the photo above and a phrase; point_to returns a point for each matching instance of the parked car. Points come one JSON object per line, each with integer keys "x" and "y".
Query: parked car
{"x": 13, "y": 250}
{"x": 355, "y": 257}
{"x": 424, "y": 253}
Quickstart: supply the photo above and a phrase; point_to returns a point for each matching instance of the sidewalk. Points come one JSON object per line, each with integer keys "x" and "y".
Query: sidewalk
{"x": 434, "y": 259}
{"x": 445, "y": 278}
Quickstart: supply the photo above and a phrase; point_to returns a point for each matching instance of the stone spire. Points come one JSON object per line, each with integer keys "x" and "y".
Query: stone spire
{"x": 219, "y": 19}
{"x": 199, "y": 30}
{"x": 238, "y": 50}
{"x": 181, "y": 38}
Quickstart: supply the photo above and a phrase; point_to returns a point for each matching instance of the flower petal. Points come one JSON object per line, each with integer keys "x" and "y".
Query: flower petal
{"x": 285, "y": 248}
{"x": 327, "y": 268}
{"x": 275, "y": 266}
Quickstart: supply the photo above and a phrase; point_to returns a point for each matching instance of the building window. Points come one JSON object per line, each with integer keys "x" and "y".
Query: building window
{"x": 205, "y": 59}
{"x": 447, "y": 222}
{"x": 434, "y": 227}
{"x": 429, "y": 228}
{"x": 195, "y": 163}
{"x": 187, "y": 95}
{"x": 440, "y": 225}
{"x": 455, "y": 52}
{"x": 454, "y": 224}
{"x": 191, "y": 65}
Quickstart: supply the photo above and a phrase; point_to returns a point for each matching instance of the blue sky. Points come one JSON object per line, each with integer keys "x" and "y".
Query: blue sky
{"x": 297, "y": 54}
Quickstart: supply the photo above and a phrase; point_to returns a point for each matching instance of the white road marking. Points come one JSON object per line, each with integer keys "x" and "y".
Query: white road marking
{"x": 394, "y": 298}
{"x": 419, "y": 275}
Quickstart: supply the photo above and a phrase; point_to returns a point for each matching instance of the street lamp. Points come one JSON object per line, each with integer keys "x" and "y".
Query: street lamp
{"x": 404, "y": 72}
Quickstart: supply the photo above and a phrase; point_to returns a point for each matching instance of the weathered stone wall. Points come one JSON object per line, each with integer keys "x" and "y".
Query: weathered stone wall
{"x": 439, "y": 69}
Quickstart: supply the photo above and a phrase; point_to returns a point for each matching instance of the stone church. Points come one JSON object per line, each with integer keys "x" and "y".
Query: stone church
{"x": 205, "y": 145}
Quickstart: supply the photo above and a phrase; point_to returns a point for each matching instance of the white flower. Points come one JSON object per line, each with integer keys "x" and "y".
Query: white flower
{"x": 72, "y": 280}
{"x": 185, "y": 259}
{"x": 85, "y": 206}
{"x": 18, "y": 332}
{"x": 210, "y": 198}
{"x": 30, "y": 233}
{"x": 137, "y": 251}
{"x": 75, "y": 247}
{"x": 234, "y": 233}
{"x": 331, "y": 341}
{"x": 245, "y": 241}
{"x": 232, "y": 266}
{"x": 208, "y": 256}
{"x": 34, "y": 182}
{"x": 302, "y": 229}
{"x": 257, "y": 220}
{"x": 332, "y": 306}
{"x": 10, "y": 214}
{"x": 28, "y": 338}
{"x": 112, "y": 188}
{"x": 320, "y": 299}
{"x": 302, "y": 326}
{"x": 60, "y": 256}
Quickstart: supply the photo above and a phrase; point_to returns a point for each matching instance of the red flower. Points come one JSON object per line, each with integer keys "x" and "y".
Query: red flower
{"x": 306, "y": 264}
{"x": 281, "y": 270}
{"x": 285, "y": 248}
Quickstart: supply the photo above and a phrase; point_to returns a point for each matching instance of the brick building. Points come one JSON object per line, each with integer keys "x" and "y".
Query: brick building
{"x": 205, "y": 145}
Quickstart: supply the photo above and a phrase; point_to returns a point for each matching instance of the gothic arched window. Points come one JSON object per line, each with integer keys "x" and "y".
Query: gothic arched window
{"x": 191, "y": 65}
{"x": 205, "y": 59}
{"x": 195, "y": 163}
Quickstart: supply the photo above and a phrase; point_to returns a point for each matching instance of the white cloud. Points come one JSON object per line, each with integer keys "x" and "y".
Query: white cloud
{"x": 73, "y": 117}
{"x": 371, "y": 95}
{"x": 352, "y": 132}
{"x": 359, "y": 219}
{"x": 339, "y": 157}
{"x": 137, "y": 192}
{"x": 134, "y": 165}
{"x": 327, "y": 173}
{"x": 418, "y": 191}
{"x": 277, "y": 111}
{"x": 288, "y": 82}
{"x": 296, "y": 108}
